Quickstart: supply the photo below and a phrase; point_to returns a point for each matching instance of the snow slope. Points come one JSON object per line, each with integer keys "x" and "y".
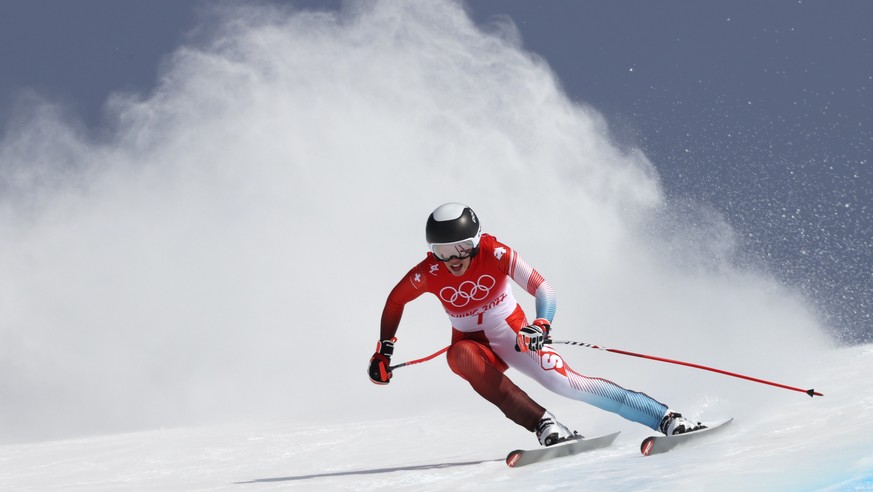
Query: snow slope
{"x": 790, "y": 442}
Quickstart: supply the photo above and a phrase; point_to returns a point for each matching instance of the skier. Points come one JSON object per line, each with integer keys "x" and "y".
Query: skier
{"x": 469, "y": 273}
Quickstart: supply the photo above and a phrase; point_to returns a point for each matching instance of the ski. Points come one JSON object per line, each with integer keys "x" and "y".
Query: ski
{"x": 522, "y": 457}
{"x": 662, "y": 444}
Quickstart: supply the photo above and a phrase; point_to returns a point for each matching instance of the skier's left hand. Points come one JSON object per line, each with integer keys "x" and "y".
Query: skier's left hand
{"x": 533, "y": 336}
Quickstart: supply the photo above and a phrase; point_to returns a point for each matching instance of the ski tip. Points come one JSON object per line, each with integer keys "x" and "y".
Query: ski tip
{"x": 646, "y": 446}
{"x": 512, "y": 458}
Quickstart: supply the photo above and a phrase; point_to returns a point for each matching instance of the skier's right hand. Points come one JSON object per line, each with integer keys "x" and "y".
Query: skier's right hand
{"x": 380, "y": 362}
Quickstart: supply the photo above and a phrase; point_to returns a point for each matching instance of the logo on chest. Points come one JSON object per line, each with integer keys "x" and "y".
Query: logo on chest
{"x": 468, "y": 291}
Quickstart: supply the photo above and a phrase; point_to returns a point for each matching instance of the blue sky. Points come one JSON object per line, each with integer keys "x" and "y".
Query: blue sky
{"x": 761, "y": 110}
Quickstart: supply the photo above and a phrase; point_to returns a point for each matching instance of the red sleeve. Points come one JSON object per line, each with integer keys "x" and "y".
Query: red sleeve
{"x": 408, "y": 289}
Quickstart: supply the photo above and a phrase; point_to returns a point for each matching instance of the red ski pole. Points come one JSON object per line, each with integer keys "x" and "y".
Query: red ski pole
{"x": 809, "y": 392}
{"x": 418, "y": 361}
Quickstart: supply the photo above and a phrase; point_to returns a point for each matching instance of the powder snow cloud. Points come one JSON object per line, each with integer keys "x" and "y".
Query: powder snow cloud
{"x": 222, "y": 248}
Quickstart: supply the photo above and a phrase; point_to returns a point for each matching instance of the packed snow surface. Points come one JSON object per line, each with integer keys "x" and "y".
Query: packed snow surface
{"x": 779, "y": 442}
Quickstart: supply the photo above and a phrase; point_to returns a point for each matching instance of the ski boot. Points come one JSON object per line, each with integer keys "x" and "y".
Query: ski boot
{"x": 674, "y": 423}
{"x": 550, "y": 431}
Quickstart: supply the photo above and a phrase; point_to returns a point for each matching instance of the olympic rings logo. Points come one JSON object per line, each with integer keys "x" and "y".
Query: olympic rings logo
{"x": 468, "y": 291}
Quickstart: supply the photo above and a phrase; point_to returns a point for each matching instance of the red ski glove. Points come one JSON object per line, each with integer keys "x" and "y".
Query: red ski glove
{"x": 380, "y": 362}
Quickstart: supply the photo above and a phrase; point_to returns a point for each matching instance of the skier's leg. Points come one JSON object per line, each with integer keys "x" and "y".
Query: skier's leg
{"x": 549, "y": 369}
{"x": 477, "y": 364}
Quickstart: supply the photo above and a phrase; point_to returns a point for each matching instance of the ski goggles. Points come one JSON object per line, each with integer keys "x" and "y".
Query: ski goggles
{"x": 460, "y": 250}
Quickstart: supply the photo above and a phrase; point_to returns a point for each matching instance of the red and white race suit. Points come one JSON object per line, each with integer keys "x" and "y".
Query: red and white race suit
{"x": 485, "y": 320}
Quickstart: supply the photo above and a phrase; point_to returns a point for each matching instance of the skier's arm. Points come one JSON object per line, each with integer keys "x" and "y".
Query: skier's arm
{"x": 405, "y": 291}
{"x": 391, "y": 315}
{"x": 534, "y": 283}
{"x": 535, "y": 335}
